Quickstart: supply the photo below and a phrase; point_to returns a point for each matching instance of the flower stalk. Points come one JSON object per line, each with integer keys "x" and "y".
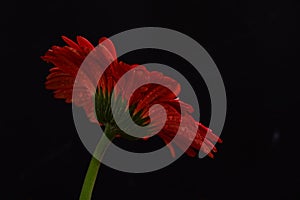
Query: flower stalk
{"x": 91, "y": 175}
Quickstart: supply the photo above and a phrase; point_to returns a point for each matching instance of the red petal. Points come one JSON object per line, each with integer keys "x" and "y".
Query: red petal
{"x": 84, "y": 43}
{"x": 109, "y": 45}
{"x": 71, "y": 43}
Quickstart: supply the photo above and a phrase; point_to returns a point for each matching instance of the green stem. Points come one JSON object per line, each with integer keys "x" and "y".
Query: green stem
{"x": 91, "y": 174}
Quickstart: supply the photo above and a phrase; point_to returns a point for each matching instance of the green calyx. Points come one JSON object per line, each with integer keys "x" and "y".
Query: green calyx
{"x": 103, "y": 108}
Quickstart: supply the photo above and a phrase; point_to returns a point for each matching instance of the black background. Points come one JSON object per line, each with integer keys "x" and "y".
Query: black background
{"x": 255, "y": 45}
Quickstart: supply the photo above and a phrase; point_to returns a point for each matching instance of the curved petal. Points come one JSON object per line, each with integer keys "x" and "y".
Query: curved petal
{"x": 84, "y": 43}
{"x": 109, "y": 45}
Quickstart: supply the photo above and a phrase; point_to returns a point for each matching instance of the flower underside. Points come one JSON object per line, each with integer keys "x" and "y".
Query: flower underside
{"x": 104, "y": 103}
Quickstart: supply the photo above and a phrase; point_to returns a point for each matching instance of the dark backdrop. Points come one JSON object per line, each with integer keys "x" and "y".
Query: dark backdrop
{"x": 255, "y": 45}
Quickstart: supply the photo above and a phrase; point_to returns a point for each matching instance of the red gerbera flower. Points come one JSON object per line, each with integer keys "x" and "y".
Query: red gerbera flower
{"x": 68, "y": 59}
{"x": 106, "y": 101}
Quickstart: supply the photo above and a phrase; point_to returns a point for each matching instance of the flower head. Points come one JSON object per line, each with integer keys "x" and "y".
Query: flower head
{"x": 97, "y": 101}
